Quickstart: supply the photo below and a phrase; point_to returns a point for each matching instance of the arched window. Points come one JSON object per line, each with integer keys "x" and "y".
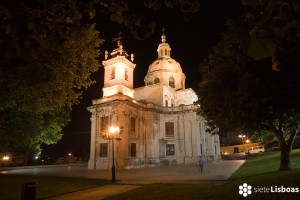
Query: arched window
{"x": 172, "y": 82}
{"x": 156, "y": 80}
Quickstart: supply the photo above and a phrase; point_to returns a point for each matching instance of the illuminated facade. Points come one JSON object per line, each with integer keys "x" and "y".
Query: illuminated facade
{"x": 160, "y": 122}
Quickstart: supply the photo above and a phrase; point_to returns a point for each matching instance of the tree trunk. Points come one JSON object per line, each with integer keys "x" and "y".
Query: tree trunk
{"x": 285, "y": 150}
{"x": 285, "y": 145}
{"x": 285, "y": 161}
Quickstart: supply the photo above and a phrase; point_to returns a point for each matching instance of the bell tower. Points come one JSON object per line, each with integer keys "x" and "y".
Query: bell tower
{"x": 118, "y": 71}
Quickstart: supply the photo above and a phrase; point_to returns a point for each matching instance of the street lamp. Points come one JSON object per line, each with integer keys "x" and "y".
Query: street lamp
{"x": 247, "y": 144}
{"x": 242, "y": 136}
{"x": 5, "y": 158}
{"x": 113, "y": 131}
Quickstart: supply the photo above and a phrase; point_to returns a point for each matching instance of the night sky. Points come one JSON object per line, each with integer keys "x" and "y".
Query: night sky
{"x": 190, "y": 41}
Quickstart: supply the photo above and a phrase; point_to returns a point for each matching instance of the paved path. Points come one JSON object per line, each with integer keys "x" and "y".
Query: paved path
{"x": 133, "y": 178}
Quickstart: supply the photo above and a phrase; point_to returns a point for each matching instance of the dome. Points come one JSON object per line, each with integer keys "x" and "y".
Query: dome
{"x": 165, "y": 70}
{"x": 165, "y": 64}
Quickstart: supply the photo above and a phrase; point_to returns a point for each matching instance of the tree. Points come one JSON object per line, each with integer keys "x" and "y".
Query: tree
{"x": 266, "y": 137}
{"x": 48, "y": 54}
{"x": 49, "y": 49}
{"x": 240, "y": 91}
{"x": 273, "y": 28}
{"x": 139, "y": 16}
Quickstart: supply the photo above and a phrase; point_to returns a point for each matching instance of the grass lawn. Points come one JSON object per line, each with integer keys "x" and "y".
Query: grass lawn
{"x": 261, "y": 172}
{"x": 11, "y": 185}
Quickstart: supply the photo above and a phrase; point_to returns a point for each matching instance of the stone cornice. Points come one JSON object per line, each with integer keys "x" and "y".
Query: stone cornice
{"x": 145, "y": 106}
{"x": 118, "y": 59}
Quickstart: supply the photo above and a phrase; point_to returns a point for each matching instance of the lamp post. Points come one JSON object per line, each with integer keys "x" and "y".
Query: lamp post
{"x": 6, "y": 160}
{"x": 242, "y": 136}
{"x": 247, "y": 143}
{"x": 113, "y": 130}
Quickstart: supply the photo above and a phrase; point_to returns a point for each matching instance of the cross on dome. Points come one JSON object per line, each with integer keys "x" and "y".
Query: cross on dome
{"x": 163, "y": 37}
{"x": 120, "y": 50}
{"x": 118, "y": 39}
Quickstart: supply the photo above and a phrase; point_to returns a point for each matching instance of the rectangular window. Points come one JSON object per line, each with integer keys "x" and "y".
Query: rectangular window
{"x": 103, "y": 149}
{"x": 133, "y": 149}
{"x": 201, "y": 149}
{"x": 126, "y": 74}
{"x": 132, "y": 124}
{"x": 170, "y": 149}
{"x": 112, "y": 74}
{"x": 169, "y": 129}
{"x": 104, "y": 124}
{"x": 166, "y": 102}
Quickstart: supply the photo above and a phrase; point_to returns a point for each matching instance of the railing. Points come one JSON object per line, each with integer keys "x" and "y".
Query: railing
{"x": 169, "y": 137}
{"x": 173, "y": 109}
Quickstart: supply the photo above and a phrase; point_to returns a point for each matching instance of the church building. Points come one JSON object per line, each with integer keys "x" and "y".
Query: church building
{"x": 159, "y": 122}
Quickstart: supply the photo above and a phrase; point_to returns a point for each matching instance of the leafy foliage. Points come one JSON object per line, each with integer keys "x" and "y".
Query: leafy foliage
{"x": 48, "y": 55}
{"x": 240, "y": 91}
{"x": 138, "y": 16}
{"x": 274, "y": 27}
{"x": 49, "y": 50}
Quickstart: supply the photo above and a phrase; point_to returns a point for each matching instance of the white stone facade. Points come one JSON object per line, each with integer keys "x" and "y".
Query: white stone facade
{"x": 160, "y": 121}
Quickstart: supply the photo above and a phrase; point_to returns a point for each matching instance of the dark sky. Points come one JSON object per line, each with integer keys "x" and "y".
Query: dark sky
{"x": 189, "y": 40}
